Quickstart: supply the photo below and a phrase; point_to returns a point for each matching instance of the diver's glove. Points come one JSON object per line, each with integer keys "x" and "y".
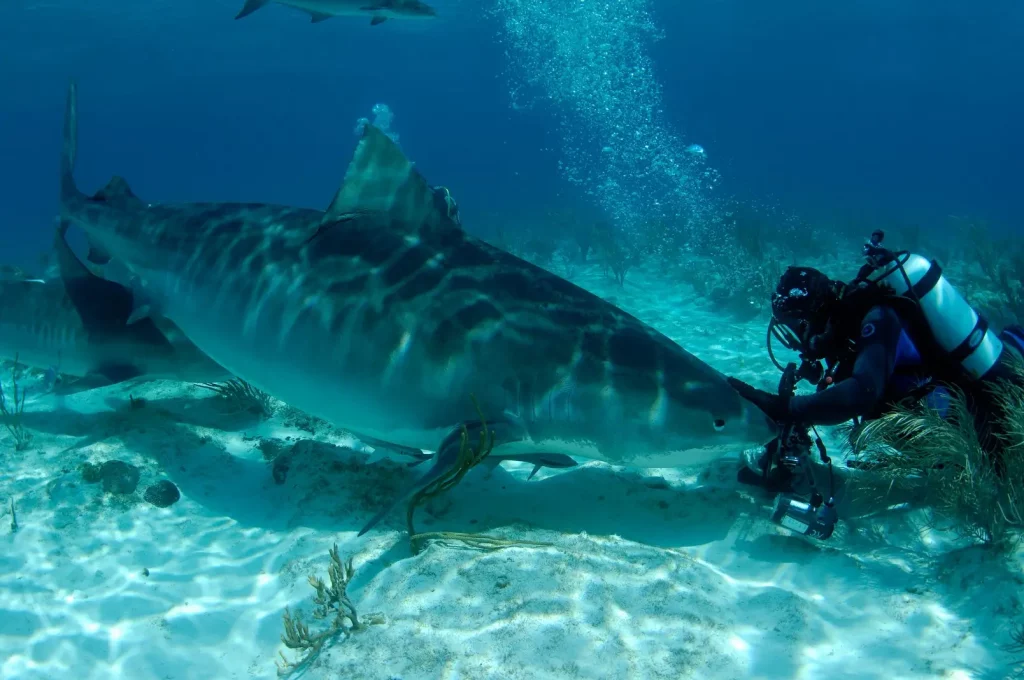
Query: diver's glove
{"x": 774, "y": 406}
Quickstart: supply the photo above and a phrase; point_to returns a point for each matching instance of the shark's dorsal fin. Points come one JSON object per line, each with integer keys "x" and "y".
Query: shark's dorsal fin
{"x": 378, "y": 19}
{"x": 380, "y": 179}
{"x": 317, "y": 17}
{"x": 117, "y": 189}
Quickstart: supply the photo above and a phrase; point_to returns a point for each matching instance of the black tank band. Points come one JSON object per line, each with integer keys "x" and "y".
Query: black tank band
{"x": 971, "y": 342}
{"x": 928, "y": 281}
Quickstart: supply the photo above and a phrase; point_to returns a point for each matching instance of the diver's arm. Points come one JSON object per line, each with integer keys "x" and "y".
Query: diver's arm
{"x": 858, "y": 394}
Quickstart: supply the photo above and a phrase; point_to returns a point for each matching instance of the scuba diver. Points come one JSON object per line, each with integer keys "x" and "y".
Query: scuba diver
{"x": 896, "y": 334}
{"x": 445, "y": 202}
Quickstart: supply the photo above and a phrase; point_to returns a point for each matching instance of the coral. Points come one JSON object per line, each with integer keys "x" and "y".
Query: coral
{"x": 244, "y": 396}
{"x": 333, "y": 604}
{"x": 1017, "y": 647}
{"x": 619, "y": 251}
{"x": 12, "y": 410}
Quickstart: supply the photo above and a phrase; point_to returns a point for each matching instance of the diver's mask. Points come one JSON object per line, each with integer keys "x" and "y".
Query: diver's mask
{"x": 802, "y": 307}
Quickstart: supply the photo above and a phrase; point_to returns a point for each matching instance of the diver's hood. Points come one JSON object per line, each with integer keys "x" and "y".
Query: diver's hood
{"x": 803, "y": 299}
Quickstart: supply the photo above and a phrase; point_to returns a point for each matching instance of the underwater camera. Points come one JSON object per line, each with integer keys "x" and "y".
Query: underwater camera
{"x": 804, "y": 518}
{"x": 809, "y": 514}
{"x": 785, "y": 466}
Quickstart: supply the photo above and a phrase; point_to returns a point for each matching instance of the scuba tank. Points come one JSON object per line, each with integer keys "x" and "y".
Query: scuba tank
{"x": 958, "y": 329}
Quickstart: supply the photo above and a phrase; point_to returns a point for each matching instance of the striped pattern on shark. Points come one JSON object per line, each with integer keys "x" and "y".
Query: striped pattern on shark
{"x": 383, "y": 317}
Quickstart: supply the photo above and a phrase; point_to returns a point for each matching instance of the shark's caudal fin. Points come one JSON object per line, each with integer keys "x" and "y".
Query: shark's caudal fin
{"x": 70, "y": 150}
{"x": 250, "y": 7}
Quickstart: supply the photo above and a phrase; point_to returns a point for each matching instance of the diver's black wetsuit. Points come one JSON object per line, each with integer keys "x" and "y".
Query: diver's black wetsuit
{"x": 870, "y": 384}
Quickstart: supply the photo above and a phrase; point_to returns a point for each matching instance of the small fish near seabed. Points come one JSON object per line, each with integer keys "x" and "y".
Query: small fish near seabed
{"x": 384, "y": 317}
{"x": 378, "y": 11}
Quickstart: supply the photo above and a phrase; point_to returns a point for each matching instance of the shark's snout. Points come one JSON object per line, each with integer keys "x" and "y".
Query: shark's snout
{"x": 760, "y": 427}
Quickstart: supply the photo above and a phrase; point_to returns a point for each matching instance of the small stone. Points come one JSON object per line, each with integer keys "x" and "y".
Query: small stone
{"x": 280, "y": 469}
{"x": 163, "y": 494}
{"x": 91, "y": 473}
{"x": 119, "y": 477}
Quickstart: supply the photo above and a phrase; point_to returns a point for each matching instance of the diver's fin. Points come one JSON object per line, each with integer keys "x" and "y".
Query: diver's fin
{"x": 380, "y": 179}
{"x": 378, "y": 19}
{"x": 250, "y": 7}
{"x": 317, "y": 17}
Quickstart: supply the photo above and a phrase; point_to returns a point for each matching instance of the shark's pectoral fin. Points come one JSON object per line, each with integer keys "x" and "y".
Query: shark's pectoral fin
{"x": 443, "y": 463}
{"x": 142, "y": 305}
{"x": 139, "y": 312}
{"x": 489, "y": 464}
{"x": 250, "y": 7}
{"x": 117, "y": 372}
{"x": 378, "y": 19}
{"x": 317, "y": 17}
{"x": 103, "y": 375}
{"x": 84, "y": 384}
{"x": 446, "y": 459}
{"x": 104, "y": 306}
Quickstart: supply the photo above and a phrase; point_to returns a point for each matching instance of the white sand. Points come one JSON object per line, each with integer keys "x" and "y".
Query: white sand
{"x": 651, "y": 573}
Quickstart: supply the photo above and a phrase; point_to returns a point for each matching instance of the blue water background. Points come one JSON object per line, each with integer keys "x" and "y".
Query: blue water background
{"x": 860, "y": 110}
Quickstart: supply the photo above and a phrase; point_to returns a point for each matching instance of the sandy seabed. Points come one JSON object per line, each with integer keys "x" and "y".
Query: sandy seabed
{"x": 668, "y": 573}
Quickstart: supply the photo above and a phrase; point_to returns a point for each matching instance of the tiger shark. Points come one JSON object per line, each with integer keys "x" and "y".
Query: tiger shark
{"x": 77, "y": 324}
{"x": 383, "y": 317}
{"x": 379, "y": 11}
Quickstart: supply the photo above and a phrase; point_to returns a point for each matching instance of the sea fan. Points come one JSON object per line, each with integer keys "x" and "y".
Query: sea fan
{"x": 979, "y": 493}
{"x": 245, "y": 396}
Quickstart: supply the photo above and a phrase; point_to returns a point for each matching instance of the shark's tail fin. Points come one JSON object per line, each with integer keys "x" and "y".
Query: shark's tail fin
{"x": 70, "y": 150}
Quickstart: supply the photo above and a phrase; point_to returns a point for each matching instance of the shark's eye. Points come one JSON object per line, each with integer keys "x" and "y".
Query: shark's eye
{"x": 719, "y": 424}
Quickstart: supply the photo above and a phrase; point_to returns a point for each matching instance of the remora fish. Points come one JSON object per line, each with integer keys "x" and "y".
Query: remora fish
{"x": 383, "y": 317}
{"x": 441, "y": 463}
{"x": 77, "y": 325}
{"x": 379, "y": 11}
